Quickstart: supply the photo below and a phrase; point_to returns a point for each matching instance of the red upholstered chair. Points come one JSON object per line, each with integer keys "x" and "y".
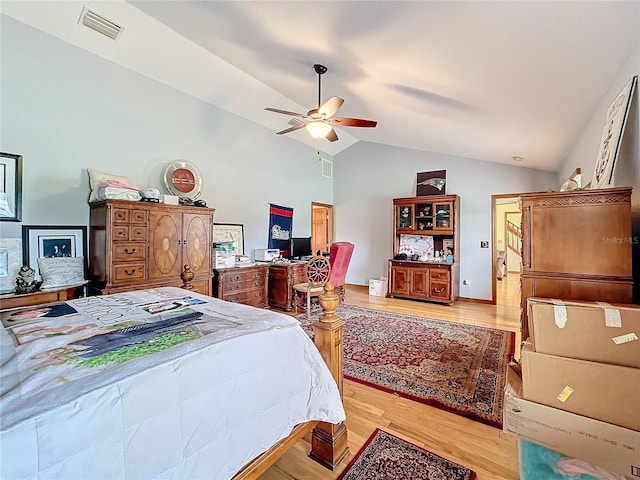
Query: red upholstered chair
{"x": 339, "y": 259}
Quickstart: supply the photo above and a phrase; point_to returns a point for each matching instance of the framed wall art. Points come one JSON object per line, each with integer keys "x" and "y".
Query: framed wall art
{"x": 45, "y": 241}
{"x": 10, "y": 187}
{"x": 10, "y": 263}
{"x": 612, "y": 135}
{"x": 431, "y": 183}
{"x": 230, "y": 232}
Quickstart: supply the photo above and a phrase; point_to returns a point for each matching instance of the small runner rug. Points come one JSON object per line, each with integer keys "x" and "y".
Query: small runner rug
{"x": 385, "y": 457}
{"x": 457, "y": 367}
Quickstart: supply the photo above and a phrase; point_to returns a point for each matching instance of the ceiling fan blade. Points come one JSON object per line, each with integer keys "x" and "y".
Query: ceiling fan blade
{"x": 292, "y": 129}
{"x": 330, "y": 107}
{"x": 332, "y": 136}
{"x": 284, "y": 112}
{"x": 353, "y": 122}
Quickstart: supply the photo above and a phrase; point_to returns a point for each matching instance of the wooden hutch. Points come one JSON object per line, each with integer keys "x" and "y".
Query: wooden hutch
{"x": 576, "y": 246}
{"x": 431, "y": 223}
{"x": 134, "y": 245}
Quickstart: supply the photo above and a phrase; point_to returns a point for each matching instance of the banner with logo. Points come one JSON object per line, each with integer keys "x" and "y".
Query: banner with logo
{"x": 280, "y": 225}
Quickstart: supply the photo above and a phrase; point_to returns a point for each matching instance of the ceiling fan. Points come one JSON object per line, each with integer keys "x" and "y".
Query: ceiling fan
{"x": 319, "y": 121}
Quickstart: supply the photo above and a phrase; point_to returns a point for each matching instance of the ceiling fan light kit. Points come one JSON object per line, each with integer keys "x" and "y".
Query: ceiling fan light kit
{"x": 318, "y": 129}
{"x": 319, "y": 121}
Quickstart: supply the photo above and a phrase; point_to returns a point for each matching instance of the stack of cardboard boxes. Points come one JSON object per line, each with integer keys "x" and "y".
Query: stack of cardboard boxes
{"x": 577, "y": 387}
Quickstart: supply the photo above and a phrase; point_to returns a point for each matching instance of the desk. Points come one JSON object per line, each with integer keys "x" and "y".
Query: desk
{"x": 282, "y": 277}
{"x": 12, "y": 300}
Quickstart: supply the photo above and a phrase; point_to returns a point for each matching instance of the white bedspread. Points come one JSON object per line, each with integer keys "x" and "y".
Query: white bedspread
{"x": 160, "y": 383}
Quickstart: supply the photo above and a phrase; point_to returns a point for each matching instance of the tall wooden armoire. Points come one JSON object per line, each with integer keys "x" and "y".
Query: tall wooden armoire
{"x": 576, "y": 246}
{"x": 135, "y": 245}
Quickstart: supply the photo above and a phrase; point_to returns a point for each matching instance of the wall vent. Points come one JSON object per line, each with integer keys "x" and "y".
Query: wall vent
{"x": 101, "y": 24}
{"x": 327, "y": 168}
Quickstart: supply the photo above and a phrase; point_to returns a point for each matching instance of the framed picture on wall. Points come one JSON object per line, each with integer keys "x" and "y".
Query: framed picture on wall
{"x": 10, "y": 187}
{"x": 431, "y": 183}
{"x": 46, "y": 241}
{"x": 612, "y": 135}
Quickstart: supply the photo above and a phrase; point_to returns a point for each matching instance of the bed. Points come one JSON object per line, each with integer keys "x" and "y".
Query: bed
{"x": 162, "y": 383}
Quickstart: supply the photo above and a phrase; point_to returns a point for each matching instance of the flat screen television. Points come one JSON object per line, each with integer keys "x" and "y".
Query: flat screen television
{"x": 300, "y": 247}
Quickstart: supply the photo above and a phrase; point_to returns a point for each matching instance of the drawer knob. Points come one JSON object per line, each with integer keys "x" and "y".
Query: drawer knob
{"x": 129, "y": 252}
{"x": 438, "y": 290}
{"x": 130, "y": 272}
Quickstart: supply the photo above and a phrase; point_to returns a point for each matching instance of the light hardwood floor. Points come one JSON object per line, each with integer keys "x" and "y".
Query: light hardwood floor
{"x": 491, "y": 453}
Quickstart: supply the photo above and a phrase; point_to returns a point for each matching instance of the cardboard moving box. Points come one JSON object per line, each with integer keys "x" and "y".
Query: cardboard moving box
{"x": 587, "y": 330}
{"x": 613, "y": 448}
{"x": 610, "y": 393}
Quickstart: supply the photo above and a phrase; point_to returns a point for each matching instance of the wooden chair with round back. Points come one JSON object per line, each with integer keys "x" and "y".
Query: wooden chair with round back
{"x": 316, "y": 274}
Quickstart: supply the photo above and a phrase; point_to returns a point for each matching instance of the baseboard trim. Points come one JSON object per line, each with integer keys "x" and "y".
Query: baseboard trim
{"x": 476, "y": 300}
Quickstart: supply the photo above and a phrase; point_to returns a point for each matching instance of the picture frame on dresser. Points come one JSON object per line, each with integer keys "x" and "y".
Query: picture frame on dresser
{"x": 10, "y": 187}
{"x": 48, "y": 241}
{"x": 230, "y": 232}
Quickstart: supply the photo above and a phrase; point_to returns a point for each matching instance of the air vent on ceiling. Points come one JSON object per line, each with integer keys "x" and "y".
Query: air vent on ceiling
{"x": 101, "y": 24}
{"x": 327, "y": 168}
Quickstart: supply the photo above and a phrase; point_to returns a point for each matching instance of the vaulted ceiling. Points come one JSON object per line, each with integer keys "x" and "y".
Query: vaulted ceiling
{"x": 482, "y": 79}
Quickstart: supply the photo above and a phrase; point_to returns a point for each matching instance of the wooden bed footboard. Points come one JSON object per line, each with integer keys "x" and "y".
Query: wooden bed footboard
{"x": 328, "y": 441}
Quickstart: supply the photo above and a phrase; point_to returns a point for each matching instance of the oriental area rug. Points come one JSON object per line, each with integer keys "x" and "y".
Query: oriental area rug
{"x": 456, "y": 367}
{"x": 385, "y": 456}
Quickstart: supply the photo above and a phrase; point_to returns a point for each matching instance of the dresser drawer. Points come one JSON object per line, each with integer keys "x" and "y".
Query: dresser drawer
{"x": 138, "y": 216}
{"x": 240, "y": 277}
{"x": 121, "y": 215}
{"x": 120, "y": 232}
{"x": 435, "y": 274}
{"x": 127, "y": 252}
{"x": 137, "y": 232}
{"x": 128, "y": 272}
{"x": 255, "y": 297}
{"x": 439, "y": 290}
{"x": 241, "y": 285}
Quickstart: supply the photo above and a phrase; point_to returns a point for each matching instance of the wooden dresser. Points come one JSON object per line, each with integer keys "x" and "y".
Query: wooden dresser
{"x": 576, "y": 246}
{"x": 134, "y": 245}
{"x": 282, "y": 277}
{"x": 247, "y": 285}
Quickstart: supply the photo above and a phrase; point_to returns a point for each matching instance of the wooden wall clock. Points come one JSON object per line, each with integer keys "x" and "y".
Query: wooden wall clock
{"x": 183, "y": 179}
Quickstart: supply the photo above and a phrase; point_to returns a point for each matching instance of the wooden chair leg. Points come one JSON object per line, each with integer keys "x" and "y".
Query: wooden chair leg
{"x": 308, "y": 307}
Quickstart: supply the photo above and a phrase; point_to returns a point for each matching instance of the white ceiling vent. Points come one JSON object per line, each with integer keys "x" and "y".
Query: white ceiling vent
{"x": 327, "y": 168}
{"x": 99, "y": 23}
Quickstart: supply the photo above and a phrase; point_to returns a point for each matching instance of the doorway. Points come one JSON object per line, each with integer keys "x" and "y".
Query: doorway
{"x": 506, "y": 235}
{"x": 321, "y": 227}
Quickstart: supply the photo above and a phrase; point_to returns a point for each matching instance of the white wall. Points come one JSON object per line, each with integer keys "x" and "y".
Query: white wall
{"x": 627, "y": 168}
{"x": 66, "y": 110}
{"x": 368, "y": 176}
{"x": 585, "y": 150}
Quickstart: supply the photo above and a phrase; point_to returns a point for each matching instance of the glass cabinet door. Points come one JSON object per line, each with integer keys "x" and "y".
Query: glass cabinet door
{"x": 442, "y": 215}
{"x": 424, "y": 216}
{"x": 404, "y": 215}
